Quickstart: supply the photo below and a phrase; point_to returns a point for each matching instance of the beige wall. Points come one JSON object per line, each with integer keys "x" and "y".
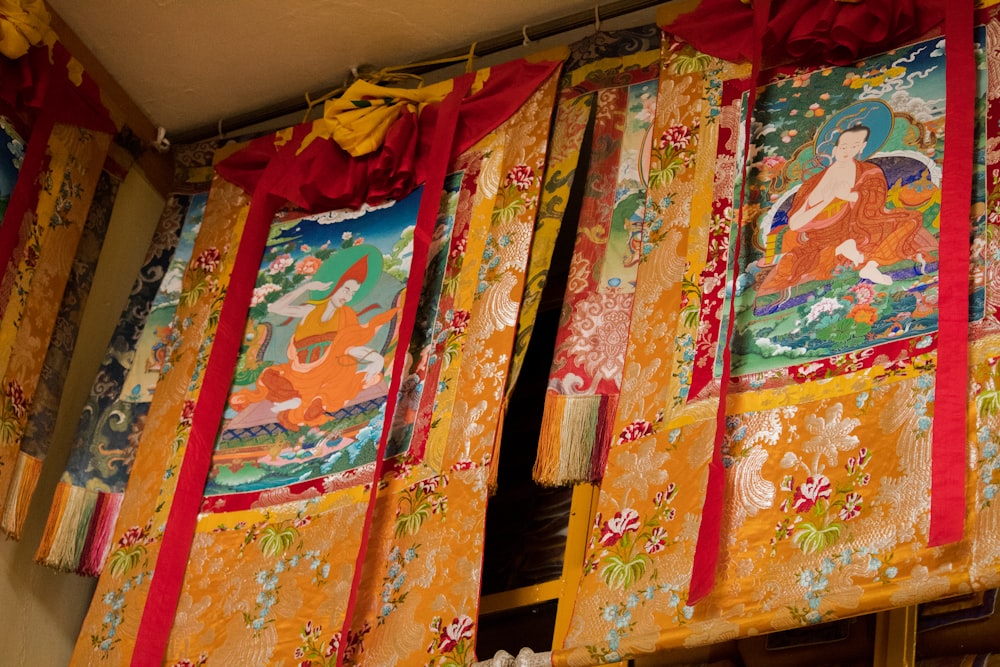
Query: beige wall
{"x": 40, "y": 609}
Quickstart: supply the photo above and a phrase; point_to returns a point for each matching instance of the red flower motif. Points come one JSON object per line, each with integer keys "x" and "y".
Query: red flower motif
{"x": 187, "y": 414}
{"x": 458, "y": 248}
{"x": 677, "y": 137}
{"x": 308, "y": 266}
{"x": 810, "y": 491}
{"x": 15, "y": 393}
{"x": 133, "y": 536}
{"x": 851, "y": 508}
{"x": 459, "y": 321}
{"x": 615, "y": 528}
{"x": 429, "y": 485}
{"x": 520, "y": 176}
{"x": 640, "y": 428}
{"x": 208, "y": 260}
{"x": 773, "y": 161}
{"x": 657, "y": 541}
{"x": 460, "y": 628}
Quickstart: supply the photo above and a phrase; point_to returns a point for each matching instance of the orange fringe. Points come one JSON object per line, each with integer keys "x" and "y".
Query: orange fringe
{"x": 22, "y": 487}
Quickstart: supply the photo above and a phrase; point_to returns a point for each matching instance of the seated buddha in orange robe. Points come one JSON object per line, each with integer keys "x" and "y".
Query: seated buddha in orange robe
{"x": 328, "y": 360}
{"x": 840, "y": 214}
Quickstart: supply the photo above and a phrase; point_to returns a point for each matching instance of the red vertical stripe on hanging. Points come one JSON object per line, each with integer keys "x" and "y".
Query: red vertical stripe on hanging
{"x": 951, "y": 392}
{"x": 24, "y": 198}
{"x": 164, "y": 590}
{"x": 706, "y": 552}
{"x": 430, "y": 203}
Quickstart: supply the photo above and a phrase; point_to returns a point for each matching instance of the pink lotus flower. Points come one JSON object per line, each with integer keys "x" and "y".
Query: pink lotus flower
{"x": 851, "y": 508}
{"x": 279, "y": 264}
{"x": 260, "y": 293}
{"x": 460, "y": 628}
{"x": 677, "y": 137}
{"x": 773, "y": 161}
{"x": 810, "y": 491}
{"x": 209, "y": 260}
{"x": 308, "y": 266}
{"x": 615, "y": 528}
{"x": 864, "y": 293}
{"x": 520, "y": 176}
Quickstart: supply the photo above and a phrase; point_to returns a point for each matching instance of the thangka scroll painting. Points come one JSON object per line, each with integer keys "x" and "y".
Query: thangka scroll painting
{"x": 291, "y": 481}
{"x": 827, "y": 447}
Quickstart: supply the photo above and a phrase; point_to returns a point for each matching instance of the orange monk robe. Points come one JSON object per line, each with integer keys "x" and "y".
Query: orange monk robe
{"x": 323, "y": 374}
{"x": 883, "y": 236}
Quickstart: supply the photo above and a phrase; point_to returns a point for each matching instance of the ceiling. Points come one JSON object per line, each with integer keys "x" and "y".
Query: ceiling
{"x": 188, "y": 63}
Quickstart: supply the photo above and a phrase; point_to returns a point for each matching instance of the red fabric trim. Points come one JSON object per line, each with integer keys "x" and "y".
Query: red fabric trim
{"x": 706, "y": 552}
{"x": 951, "y": 392}
{"x": 398, "y": 166}
{"x": 39, "y": 82}
{"x": 430, "y": 203}
{"x": 807, "y": 31}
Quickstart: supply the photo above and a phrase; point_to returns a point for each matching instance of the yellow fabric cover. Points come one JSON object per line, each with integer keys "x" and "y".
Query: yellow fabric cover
{"x": 23, "y": 24}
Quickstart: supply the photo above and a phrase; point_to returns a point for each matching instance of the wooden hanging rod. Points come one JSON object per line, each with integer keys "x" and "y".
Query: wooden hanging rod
{"x": 483, "y": 48}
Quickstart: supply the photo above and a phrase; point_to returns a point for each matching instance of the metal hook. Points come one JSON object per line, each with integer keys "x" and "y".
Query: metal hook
{"x": 524, "y": 33}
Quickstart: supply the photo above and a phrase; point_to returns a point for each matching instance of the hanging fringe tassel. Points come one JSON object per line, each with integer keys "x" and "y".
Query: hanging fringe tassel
{"x": 492, "y": 482}
{"x": 56, "y": 511}
{"x": 605, "y": 433}
{"x": 22, "y": 486}
{"x": 66, "y": 528}
{"x": 574, "y": 439}
{"x": 102, "y": 524}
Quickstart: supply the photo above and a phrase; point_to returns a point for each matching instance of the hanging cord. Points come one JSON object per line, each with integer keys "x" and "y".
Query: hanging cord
{"x": 472, "y": 56}
{"x": 161, "y": 144}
